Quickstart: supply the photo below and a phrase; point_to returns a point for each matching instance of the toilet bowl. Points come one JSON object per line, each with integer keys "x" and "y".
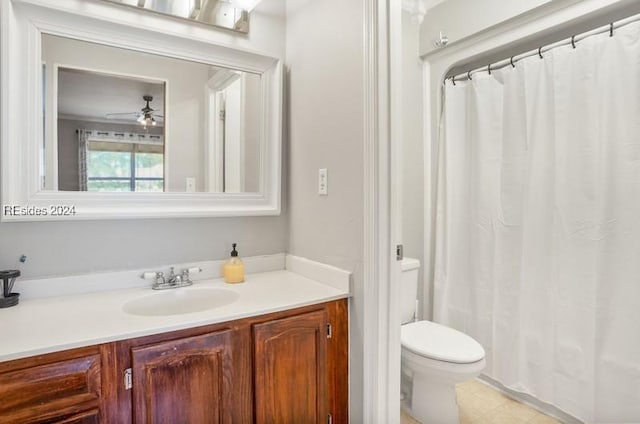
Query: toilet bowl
{"x": 434, "y": 358}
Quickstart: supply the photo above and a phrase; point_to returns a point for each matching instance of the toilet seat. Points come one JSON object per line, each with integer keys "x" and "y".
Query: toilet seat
{"x": 435, "y": 341}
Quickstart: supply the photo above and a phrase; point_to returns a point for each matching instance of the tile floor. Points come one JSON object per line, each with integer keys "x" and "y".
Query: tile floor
{"x": 480, "y": 404}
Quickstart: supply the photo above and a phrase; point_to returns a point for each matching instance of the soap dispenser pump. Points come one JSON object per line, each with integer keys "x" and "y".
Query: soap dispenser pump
{"x": 233, "y": 269}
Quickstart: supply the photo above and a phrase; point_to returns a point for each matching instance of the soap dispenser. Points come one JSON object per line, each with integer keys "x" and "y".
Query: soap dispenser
{"x": 233, "y": 269}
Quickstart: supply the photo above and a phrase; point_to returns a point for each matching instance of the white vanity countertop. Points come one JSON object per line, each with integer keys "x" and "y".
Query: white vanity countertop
{"x": 53, "y": 324}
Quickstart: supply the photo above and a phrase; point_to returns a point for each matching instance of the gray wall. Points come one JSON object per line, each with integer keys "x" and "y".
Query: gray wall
{"x": 325, "y": 64}
{"x": 60, "y": 248}
{"x": 412, "y": 150}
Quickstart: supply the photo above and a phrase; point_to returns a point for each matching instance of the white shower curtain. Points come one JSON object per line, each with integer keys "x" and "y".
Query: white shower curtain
{"x": 538, "y": 224}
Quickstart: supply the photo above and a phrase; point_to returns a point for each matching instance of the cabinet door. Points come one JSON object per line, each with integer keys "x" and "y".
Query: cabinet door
{"x": 290, "y": 369}
{"x": 184, "y": 381}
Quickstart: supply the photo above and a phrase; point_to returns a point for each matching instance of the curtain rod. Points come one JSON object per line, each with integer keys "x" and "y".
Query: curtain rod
{"x": 511, "y": 61}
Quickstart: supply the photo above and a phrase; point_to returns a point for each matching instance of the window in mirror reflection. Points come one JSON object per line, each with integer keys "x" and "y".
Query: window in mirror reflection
{"x": 118, "y": 166}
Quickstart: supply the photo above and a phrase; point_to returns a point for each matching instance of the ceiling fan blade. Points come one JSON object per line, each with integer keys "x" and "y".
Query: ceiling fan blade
{"x": 123, "y": 113}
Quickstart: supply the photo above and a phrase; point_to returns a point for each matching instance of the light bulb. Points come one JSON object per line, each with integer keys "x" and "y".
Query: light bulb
{"x": 247, "y": 5}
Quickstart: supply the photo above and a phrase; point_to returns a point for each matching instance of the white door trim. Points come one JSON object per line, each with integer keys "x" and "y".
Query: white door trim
{"x": 381, "y": 391}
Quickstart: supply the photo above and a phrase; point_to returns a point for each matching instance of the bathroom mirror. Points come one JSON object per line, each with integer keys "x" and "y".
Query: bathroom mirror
{"x": 108, "y": 118}
{"x": 227, "y": 14}
{"x": 119, "y": 120}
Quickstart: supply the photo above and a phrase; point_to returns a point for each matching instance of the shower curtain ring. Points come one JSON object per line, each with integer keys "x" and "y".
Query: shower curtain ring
{"x": 512, "y": 64}
{"x": 573, "y": 41}
{"x": 489, "y": 68}
{"x": 611, "y": 30}
{"x": 469, "y": 76}
{"x": 453, "y": 80}
{"x": 540, "y": 53}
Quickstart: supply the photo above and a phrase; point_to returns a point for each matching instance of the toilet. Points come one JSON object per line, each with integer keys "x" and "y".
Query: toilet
{"x": 434, "y": 358}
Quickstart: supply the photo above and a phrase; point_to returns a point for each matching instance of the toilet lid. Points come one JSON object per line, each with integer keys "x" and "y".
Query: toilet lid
{"x": 435, "y": 341}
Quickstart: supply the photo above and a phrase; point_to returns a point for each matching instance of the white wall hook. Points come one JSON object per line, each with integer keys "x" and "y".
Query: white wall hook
{"x": 442, "y": 40}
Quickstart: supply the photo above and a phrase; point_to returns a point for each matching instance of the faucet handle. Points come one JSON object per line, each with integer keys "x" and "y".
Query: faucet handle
{"x": 156, "y": 275}
{"x": 185, "y": 274}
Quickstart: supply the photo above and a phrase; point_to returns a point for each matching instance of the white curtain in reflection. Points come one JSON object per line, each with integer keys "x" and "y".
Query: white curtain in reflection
{"x": 538, "y": 224}
{"x": 83, "y": 146}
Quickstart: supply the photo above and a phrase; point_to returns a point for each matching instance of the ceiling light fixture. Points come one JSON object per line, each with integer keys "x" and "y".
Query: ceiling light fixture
{"x": 146, "y": 116}
{"x": 147, "y": 119}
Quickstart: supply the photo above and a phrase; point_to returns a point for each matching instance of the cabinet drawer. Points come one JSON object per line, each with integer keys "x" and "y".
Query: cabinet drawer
{"x": 45, "y": 392}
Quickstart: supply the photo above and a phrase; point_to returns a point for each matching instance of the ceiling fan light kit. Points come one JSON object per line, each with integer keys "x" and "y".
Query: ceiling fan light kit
{"x": 146, "y": 116}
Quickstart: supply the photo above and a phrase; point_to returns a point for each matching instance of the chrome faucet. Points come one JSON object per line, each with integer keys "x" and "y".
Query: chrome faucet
{"x": 173, "y": 278}
{"x": 172, "y": 281}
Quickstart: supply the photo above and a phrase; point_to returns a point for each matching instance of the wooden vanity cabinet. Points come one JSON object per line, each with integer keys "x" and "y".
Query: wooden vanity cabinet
{"x": 284, "y": 367}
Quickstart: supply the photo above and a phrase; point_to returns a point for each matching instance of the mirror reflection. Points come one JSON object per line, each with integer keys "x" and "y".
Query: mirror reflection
{"x": 228, "y": 14}
{"x": 119, "y": 120}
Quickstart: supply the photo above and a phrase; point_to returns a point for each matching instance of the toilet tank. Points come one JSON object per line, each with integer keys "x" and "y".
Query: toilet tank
{"x": 408, "y": 288}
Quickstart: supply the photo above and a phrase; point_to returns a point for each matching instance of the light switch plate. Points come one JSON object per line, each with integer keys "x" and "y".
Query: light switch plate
{"x": 323, "y": 182}
{"x": 190, "y": 185}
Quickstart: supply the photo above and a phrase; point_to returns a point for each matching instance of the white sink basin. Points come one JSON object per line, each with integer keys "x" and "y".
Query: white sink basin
{"x": 180, "y": 301}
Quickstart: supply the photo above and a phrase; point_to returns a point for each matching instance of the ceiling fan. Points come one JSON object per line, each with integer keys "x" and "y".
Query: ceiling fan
{"x": 146, "y": 116}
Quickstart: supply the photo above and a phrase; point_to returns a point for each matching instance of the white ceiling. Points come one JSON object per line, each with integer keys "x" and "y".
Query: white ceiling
{"x": 92, "y": 95}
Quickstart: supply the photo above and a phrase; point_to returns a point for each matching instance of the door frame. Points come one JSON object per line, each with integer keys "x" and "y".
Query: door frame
{"x": 382, "y": 211}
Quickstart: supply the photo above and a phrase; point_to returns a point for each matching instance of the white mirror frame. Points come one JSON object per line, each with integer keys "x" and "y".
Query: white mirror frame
{"x": 22, "y": 24}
